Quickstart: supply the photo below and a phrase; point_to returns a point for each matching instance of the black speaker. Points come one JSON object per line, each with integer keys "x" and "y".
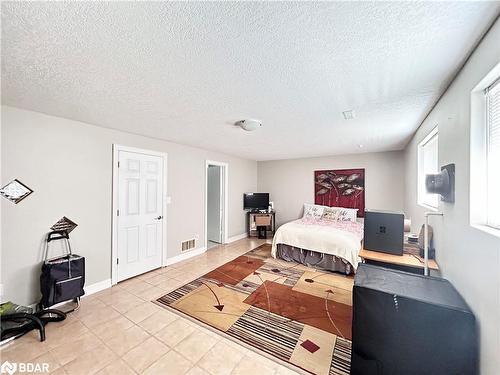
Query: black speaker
{"x": 410, "y": 324}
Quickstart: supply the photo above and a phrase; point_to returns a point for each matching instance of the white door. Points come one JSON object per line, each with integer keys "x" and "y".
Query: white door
{"x": 140, "y": 213}
{"x": 214, "y": 203}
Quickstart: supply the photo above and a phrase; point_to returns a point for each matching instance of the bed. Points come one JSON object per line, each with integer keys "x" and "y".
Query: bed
{"x": 332, "y": 245}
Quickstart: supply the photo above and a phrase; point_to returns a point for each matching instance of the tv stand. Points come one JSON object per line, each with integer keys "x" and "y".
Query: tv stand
{"x": 253, "y": 216}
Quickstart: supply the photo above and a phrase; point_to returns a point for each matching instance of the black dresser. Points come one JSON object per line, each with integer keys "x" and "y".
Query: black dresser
{"x": 407, "y": 324}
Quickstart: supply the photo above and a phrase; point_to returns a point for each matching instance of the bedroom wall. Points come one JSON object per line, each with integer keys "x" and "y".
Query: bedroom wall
{"x": 68, "y": 164}
{"x": 468, "y": 257}
{"x": 291, "y": 182}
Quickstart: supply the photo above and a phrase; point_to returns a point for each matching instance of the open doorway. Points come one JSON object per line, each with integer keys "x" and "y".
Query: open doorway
{"x": 215, "y": 204}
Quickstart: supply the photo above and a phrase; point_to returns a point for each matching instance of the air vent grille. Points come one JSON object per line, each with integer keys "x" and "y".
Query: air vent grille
{"x": 188, "y": 245}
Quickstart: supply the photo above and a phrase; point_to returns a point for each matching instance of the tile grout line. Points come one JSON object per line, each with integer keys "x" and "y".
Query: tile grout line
{"x": 228, "y": 255}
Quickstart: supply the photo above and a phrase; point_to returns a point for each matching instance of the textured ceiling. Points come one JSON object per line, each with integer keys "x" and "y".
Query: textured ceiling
{"x": 185, "y": 71}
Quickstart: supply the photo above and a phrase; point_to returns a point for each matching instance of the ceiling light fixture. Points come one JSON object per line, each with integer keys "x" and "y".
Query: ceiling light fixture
{"x": 249, "y": 125}
{"x": 349, "y": 115}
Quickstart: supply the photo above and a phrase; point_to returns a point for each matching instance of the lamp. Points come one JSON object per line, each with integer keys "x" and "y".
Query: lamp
{"x": 249, "y": 124}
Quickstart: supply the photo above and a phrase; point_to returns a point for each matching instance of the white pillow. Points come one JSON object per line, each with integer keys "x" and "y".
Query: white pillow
{"x": 340, "y": 213}
{"x": 332, "y": 215}
{"x": 313, "y": 211}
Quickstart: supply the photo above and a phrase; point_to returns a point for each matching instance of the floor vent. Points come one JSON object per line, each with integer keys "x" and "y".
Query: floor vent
{"x": 188, "y": 245}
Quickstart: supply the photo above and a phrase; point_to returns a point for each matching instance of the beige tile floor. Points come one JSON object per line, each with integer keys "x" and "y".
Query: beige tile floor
{"x": 120, "y": 331}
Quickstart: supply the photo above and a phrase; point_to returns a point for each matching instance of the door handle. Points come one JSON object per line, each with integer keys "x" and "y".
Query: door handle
{"x": 159, "y": 217}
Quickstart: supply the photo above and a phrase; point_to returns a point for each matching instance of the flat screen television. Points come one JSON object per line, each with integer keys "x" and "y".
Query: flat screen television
{"x": 256, "y": 201}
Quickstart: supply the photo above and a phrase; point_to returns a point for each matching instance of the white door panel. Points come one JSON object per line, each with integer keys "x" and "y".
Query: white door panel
{"x": 140, "y": 216}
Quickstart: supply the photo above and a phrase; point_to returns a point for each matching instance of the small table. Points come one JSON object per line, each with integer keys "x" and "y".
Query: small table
{"x": 406, "y": 262}
{"x": 252, "y": 227}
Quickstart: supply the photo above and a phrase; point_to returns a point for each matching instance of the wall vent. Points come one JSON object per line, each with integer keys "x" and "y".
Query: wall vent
{"x": 188, "y": 245}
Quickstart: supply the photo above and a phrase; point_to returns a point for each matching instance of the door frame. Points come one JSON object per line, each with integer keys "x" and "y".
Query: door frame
{"x": 114, "y": 222}
{"x": 225, "y": 170}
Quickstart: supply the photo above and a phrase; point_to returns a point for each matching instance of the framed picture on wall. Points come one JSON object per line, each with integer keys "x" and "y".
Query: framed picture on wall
{"x": 15, "y": 191}
{"x": 340, "y": 188}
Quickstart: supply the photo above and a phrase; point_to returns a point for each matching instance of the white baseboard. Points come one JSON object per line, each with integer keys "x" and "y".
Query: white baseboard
{"x": 89, "y": 290}
{"x": 237, "y": 237}
{"x": 186, "y": 255}
{"x": 97, "y": 287}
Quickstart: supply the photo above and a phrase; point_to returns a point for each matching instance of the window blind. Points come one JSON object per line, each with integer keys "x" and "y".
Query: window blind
{"x": 493, "y": 154}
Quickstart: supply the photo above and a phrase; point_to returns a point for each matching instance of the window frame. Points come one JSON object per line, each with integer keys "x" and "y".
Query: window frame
{"x": 487, "y": 150}
{"x": 478, "y": 204}
{"x": 421, "y": 192}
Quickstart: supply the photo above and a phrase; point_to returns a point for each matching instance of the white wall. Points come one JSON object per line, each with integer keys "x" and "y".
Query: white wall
{"x": 468, "y": 257}
{"x": 68, "y": 164}
{"x": 291, "y": 182}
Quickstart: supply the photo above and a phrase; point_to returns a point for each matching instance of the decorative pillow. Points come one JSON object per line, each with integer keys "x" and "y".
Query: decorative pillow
{"x": 329, "y": 214}
{"x": 340, "y": 213}
{"x": 313, "y": 211}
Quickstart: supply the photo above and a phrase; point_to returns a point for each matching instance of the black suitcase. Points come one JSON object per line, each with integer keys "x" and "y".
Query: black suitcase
{"x": 62, "y": 278}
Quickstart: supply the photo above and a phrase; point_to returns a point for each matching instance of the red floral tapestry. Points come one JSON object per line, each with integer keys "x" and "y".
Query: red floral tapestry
{"x": 341, "y": 188}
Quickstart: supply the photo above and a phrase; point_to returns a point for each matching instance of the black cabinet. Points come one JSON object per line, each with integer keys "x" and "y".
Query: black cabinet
{"x": 410, "y": 324}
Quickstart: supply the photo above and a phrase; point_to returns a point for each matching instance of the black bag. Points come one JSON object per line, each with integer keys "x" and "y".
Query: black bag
{"x": 62, "y": 278}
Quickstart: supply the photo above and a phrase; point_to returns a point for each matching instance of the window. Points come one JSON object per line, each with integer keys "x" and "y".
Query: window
{"x": 493, "y": 155}
{"x": 427, "y": 164}
{"x": 484, "y": 206}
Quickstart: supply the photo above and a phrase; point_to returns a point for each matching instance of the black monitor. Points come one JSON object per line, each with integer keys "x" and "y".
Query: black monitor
{"x": 256, "y": 201}
{"x": 384, "y": 231}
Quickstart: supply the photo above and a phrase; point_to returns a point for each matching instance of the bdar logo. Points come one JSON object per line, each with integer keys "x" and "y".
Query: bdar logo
{"x": 8, "y": 367}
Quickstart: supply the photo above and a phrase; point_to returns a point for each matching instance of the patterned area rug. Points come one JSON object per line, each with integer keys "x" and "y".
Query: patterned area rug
{"x": 295, "y": 313}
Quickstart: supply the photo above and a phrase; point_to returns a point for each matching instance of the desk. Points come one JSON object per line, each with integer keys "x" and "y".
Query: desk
{"x": 405, "y": 262}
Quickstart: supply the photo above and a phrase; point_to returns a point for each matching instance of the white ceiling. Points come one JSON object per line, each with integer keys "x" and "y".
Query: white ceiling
{"x": 185, "y": 71}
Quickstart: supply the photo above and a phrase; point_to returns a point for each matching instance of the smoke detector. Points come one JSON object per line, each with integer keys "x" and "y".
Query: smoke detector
{"x": 249, "y": 125}
{"x": 349, "y": 115}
